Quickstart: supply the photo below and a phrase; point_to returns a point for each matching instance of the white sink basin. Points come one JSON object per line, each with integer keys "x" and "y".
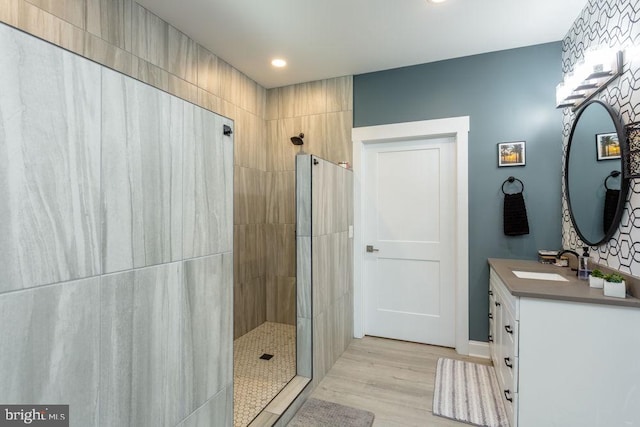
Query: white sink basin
{"x": 539, "y": 276}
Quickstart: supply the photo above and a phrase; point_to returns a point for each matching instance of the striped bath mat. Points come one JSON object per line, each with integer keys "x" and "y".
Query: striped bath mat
{"x": 468, "y": 392}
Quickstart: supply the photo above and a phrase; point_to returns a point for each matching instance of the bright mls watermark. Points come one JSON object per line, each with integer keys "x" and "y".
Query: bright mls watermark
{"x": 34, "y": 415}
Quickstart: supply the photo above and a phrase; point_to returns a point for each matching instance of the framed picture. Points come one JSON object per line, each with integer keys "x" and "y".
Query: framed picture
{"x": 607, "y": 146}
{"x": 511, "y": 154}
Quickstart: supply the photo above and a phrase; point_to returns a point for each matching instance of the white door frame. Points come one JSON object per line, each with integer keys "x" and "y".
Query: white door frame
{"x": 458, "y": 127}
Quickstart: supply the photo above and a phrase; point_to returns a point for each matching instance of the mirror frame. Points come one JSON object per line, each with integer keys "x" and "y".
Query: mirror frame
{"x": 624, "y": 180}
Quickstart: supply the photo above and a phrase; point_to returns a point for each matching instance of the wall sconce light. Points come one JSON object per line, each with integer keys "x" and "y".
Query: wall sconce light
{"x": 589, "y": 77}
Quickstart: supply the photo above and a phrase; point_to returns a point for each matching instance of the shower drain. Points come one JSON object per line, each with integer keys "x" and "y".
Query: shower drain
{"x": 266, "y": 356}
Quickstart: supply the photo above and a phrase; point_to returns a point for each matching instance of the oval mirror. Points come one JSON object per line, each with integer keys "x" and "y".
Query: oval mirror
{"x": 595, "y": 185}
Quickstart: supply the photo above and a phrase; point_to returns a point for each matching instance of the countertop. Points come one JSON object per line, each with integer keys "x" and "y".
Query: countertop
{"x": 574, "y": 290}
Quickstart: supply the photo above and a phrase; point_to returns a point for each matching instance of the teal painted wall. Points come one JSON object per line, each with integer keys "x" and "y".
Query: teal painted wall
{"x": 509, "y": 96}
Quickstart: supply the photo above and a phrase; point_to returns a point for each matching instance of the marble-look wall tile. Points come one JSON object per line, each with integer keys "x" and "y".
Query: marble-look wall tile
{"x": 141, "y": 374}
{"x": 149, "y": 36}
{"x": 163, "y": 46}
{"x": 151, "y": 74}
{"x": 273, "y": 104}
{"x": 229, "y": 82}
{"x": 341, "y": 257}
{"x": 322, "y": 349}
{"x": 208, "y": 72}
{"x": 280, "y": 152}
{"x": 183, "y": 89}
{"x": 303, "y": 276}
{"x": 303, "y": 347}
{"x": 347, "y": 332}
{"x": 280, "y": 189}
{"x": 105, "y": 53}
{"x": 250, "y": 146}
{"x": 9, "y": 11}
{"x": 303, "y": 99}
{"x": 329, "y": 198}
{"x": 303, "y": 195}
{"x": 182, "y": 56}
{"x": 110, "y": 20}
{"x": 324, "y": 179}
{"x": 208, "y": 101}
{"x": 349, "y": 197}
{"x": 218, "y": 411}
{"x": 281, "y": 245}
{"x": 249, "y": 302}
{"x": 261, "y": 101}
{"x": 142, "y": 174}
{"x": 249, "y": 251}
{"x": 208, "y": 194}
{"x": 339, "y": 145}
{"x": 340, "y": 94}
{"x": 336, "y": 335}
{"x": 324, "y": 270}
{"x": 208, "y": 333}
{"x": 228, "y": 110}
{"x": 72, "y": 11}
{"x": 281, "y": 299}
{"x": 50, "y": 348}
{"x": 49, "y": 27}
{"x": 50, "y": 152}
{"x": 340, "y": 199}
{"x": 249, "y": 195}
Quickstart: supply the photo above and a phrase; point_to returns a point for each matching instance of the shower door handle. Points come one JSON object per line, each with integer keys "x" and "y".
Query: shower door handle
{"x": 370, "y": 248}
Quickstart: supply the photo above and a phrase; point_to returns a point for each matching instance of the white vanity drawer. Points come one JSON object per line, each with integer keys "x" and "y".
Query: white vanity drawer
{"x": 510, "y": 406}
{"x": 507, "y": 299}
{"x": 510, "y": 331}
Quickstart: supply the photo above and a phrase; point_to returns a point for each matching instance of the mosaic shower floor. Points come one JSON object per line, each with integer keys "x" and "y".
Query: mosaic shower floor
{"x": 257, "y": 381}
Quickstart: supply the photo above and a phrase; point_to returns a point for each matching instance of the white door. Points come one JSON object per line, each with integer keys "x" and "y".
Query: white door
{"x": 409, "y": 278}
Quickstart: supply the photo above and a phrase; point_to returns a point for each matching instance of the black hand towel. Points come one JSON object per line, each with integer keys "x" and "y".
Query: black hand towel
{"x": 610, "y": 206}
{"x": 515, "y": 215}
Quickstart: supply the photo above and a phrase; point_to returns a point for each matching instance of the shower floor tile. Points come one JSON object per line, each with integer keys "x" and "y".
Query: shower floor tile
{"x": 256, "y": 381}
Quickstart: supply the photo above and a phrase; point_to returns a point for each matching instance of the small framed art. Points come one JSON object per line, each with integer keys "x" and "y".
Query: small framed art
{"x": 511, "y": 154}
{"x": 607, "y": 146}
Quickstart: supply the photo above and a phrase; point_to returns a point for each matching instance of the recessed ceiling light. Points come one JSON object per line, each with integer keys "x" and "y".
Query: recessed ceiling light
{"x": 279, "y": 63}
{"x": 437, "y": 1}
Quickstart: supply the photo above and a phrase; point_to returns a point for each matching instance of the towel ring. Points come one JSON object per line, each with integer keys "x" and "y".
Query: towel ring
{"x": 512, "y": 179}
{"x": 613, "y": 174}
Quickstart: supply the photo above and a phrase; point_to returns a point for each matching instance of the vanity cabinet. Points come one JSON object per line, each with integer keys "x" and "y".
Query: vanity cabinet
{"x": 564, "y": 363}
{"x": 503, "y": 342}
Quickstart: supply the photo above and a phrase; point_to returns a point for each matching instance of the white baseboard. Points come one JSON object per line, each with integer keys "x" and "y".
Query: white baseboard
{"x": 479, "y": 349}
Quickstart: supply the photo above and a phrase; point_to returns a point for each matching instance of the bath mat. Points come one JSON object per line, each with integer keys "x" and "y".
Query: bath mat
{"x": 319, "y": 413}
{"x": 468, "y": 392}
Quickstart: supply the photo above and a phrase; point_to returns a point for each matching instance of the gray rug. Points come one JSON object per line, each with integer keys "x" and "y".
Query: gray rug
{"x": 468, "y": 392}
{"x": 319, "y": 413}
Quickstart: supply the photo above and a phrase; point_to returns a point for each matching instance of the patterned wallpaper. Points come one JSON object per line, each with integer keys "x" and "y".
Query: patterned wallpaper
{"x": 616, "y": 24}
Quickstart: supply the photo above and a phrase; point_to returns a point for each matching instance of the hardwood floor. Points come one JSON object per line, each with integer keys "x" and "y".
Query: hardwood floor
{"x": 392, "y": 379}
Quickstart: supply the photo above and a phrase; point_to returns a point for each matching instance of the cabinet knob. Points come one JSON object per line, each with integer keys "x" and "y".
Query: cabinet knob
{"x": 508, "y": 329}
{"x": 507, "y": 361}
{"x": 497, "y": 304}
{"x": 507, "y": 394}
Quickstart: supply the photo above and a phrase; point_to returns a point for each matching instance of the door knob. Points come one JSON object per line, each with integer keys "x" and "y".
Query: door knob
{"x": 370, "y": 248}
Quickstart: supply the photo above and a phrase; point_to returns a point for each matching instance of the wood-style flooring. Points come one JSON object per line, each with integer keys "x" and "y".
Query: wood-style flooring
{"x": 392, "y": 379}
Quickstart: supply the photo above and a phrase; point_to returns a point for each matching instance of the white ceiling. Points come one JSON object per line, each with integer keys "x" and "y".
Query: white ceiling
{"x": 329, "y": 38}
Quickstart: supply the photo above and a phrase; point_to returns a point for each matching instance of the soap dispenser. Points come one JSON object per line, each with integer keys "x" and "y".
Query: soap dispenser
{"x": 583, "y": 264}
